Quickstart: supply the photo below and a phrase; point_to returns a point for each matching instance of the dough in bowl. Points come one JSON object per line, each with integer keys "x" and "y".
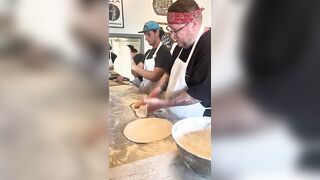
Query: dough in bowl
{"x": 197, "y": 142}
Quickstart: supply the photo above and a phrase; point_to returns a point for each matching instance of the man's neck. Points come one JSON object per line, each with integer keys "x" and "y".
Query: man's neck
{"x": 196, "y": 32}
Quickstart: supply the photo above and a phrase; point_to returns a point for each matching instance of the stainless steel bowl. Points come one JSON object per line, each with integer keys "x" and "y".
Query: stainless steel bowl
{"x": 199, "y": 165}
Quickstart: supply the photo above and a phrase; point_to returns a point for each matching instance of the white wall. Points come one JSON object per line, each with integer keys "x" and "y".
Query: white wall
{"x": 138, "y": 12}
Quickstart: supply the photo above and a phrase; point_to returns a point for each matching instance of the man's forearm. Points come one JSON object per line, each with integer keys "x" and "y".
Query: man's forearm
{"x": 164, "y": 81}
{"x": 161, "y": 86}
{"x": 134, "y": 73}
{"x": 154, "y": 75}
{"x": 135, "y": 66}
{"x": 182, "y": 99}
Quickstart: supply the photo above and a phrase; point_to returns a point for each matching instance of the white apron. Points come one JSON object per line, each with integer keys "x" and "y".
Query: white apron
{"x": 177, "y": 84}
{"x": 172, "y": 47}
{"x": 146, "y": 84}
{"x": 136, "y": 81}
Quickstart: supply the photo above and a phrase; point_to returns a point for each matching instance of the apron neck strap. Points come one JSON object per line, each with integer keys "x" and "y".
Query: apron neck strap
{"x": 201, "y": 30}
{"x": 155, "y": 53}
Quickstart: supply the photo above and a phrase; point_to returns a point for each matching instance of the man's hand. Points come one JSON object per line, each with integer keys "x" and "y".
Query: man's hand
{"x": 137, "y": 104}
{"x": 155, "y": 92}
{"x": 120, "y": 78}
{"x": 161, "y": 86}
{"x": 134, "y": 67}
{"x": 155, "y": 103}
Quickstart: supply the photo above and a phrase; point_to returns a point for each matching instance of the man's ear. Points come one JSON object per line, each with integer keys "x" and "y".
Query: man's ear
{"x": 194, "y": 22}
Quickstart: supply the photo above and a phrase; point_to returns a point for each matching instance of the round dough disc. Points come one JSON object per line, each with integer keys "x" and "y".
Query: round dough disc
{"x": 148, "y": 130}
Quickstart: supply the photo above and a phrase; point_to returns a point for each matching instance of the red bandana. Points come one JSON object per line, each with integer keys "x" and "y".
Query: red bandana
{"x": 182, "y": 18}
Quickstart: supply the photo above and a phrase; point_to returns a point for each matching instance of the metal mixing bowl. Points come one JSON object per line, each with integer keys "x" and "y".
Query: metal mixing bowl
{"x": 199, "y": 165}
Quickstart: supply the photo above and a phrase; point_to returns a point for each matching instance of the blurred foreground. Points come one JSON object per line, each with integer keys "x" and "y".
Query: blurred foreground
{"x": 53, "y": 90}
{"x": 265, "y": 91}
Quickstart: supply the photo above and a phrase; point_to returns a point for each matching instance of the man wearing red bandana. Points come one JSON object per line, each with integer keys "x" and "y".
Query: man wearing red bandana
{"x": 188, "y": 86}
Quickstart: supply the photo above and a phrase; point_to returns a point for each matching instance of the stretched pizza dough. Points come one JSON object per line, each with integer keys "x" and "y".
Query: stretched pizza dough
{"x": 148, "y": 130}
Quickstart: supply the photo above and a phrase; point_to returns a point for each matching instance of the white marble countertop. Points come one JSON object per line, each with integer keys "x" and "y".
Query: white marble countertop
{"x": 167, "y": 166}
{"x": 121, "y": 150}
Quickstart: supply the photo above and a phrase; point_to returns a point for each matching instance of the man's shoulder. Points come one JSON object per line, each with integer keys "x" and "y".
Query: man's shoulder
{"x": 163, "y": 52}
{"x": 164, "y": 48}
{"x": 206, "y": 37}
{"x": 204, "y": 44}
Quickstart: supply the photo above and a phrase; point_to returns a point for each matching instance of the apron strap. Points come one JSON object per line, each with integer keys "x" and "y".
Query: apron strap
{"x": 195, "y": 43}
{"x": 155, "y": 53}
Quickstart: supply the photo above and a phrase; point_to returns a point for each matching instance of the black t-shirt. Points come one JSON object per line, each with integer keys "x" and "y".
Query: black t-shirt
{"x": 198, "y": 74}
{"x": 138, "y": 58}
{"x": 163, "y": 59}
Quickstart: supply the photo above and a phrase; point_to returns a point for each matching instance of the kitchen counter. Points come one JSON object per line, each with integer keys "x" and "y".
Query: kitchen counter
{"x": 167, "y": 166}
{"x": 123, "y": 151}
{"x": 129, "y": 160}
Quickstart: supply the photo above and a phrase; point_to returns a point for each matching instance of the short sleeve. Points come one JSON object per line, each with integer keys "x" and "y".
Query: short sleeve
{"x": 163, "y": 59}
